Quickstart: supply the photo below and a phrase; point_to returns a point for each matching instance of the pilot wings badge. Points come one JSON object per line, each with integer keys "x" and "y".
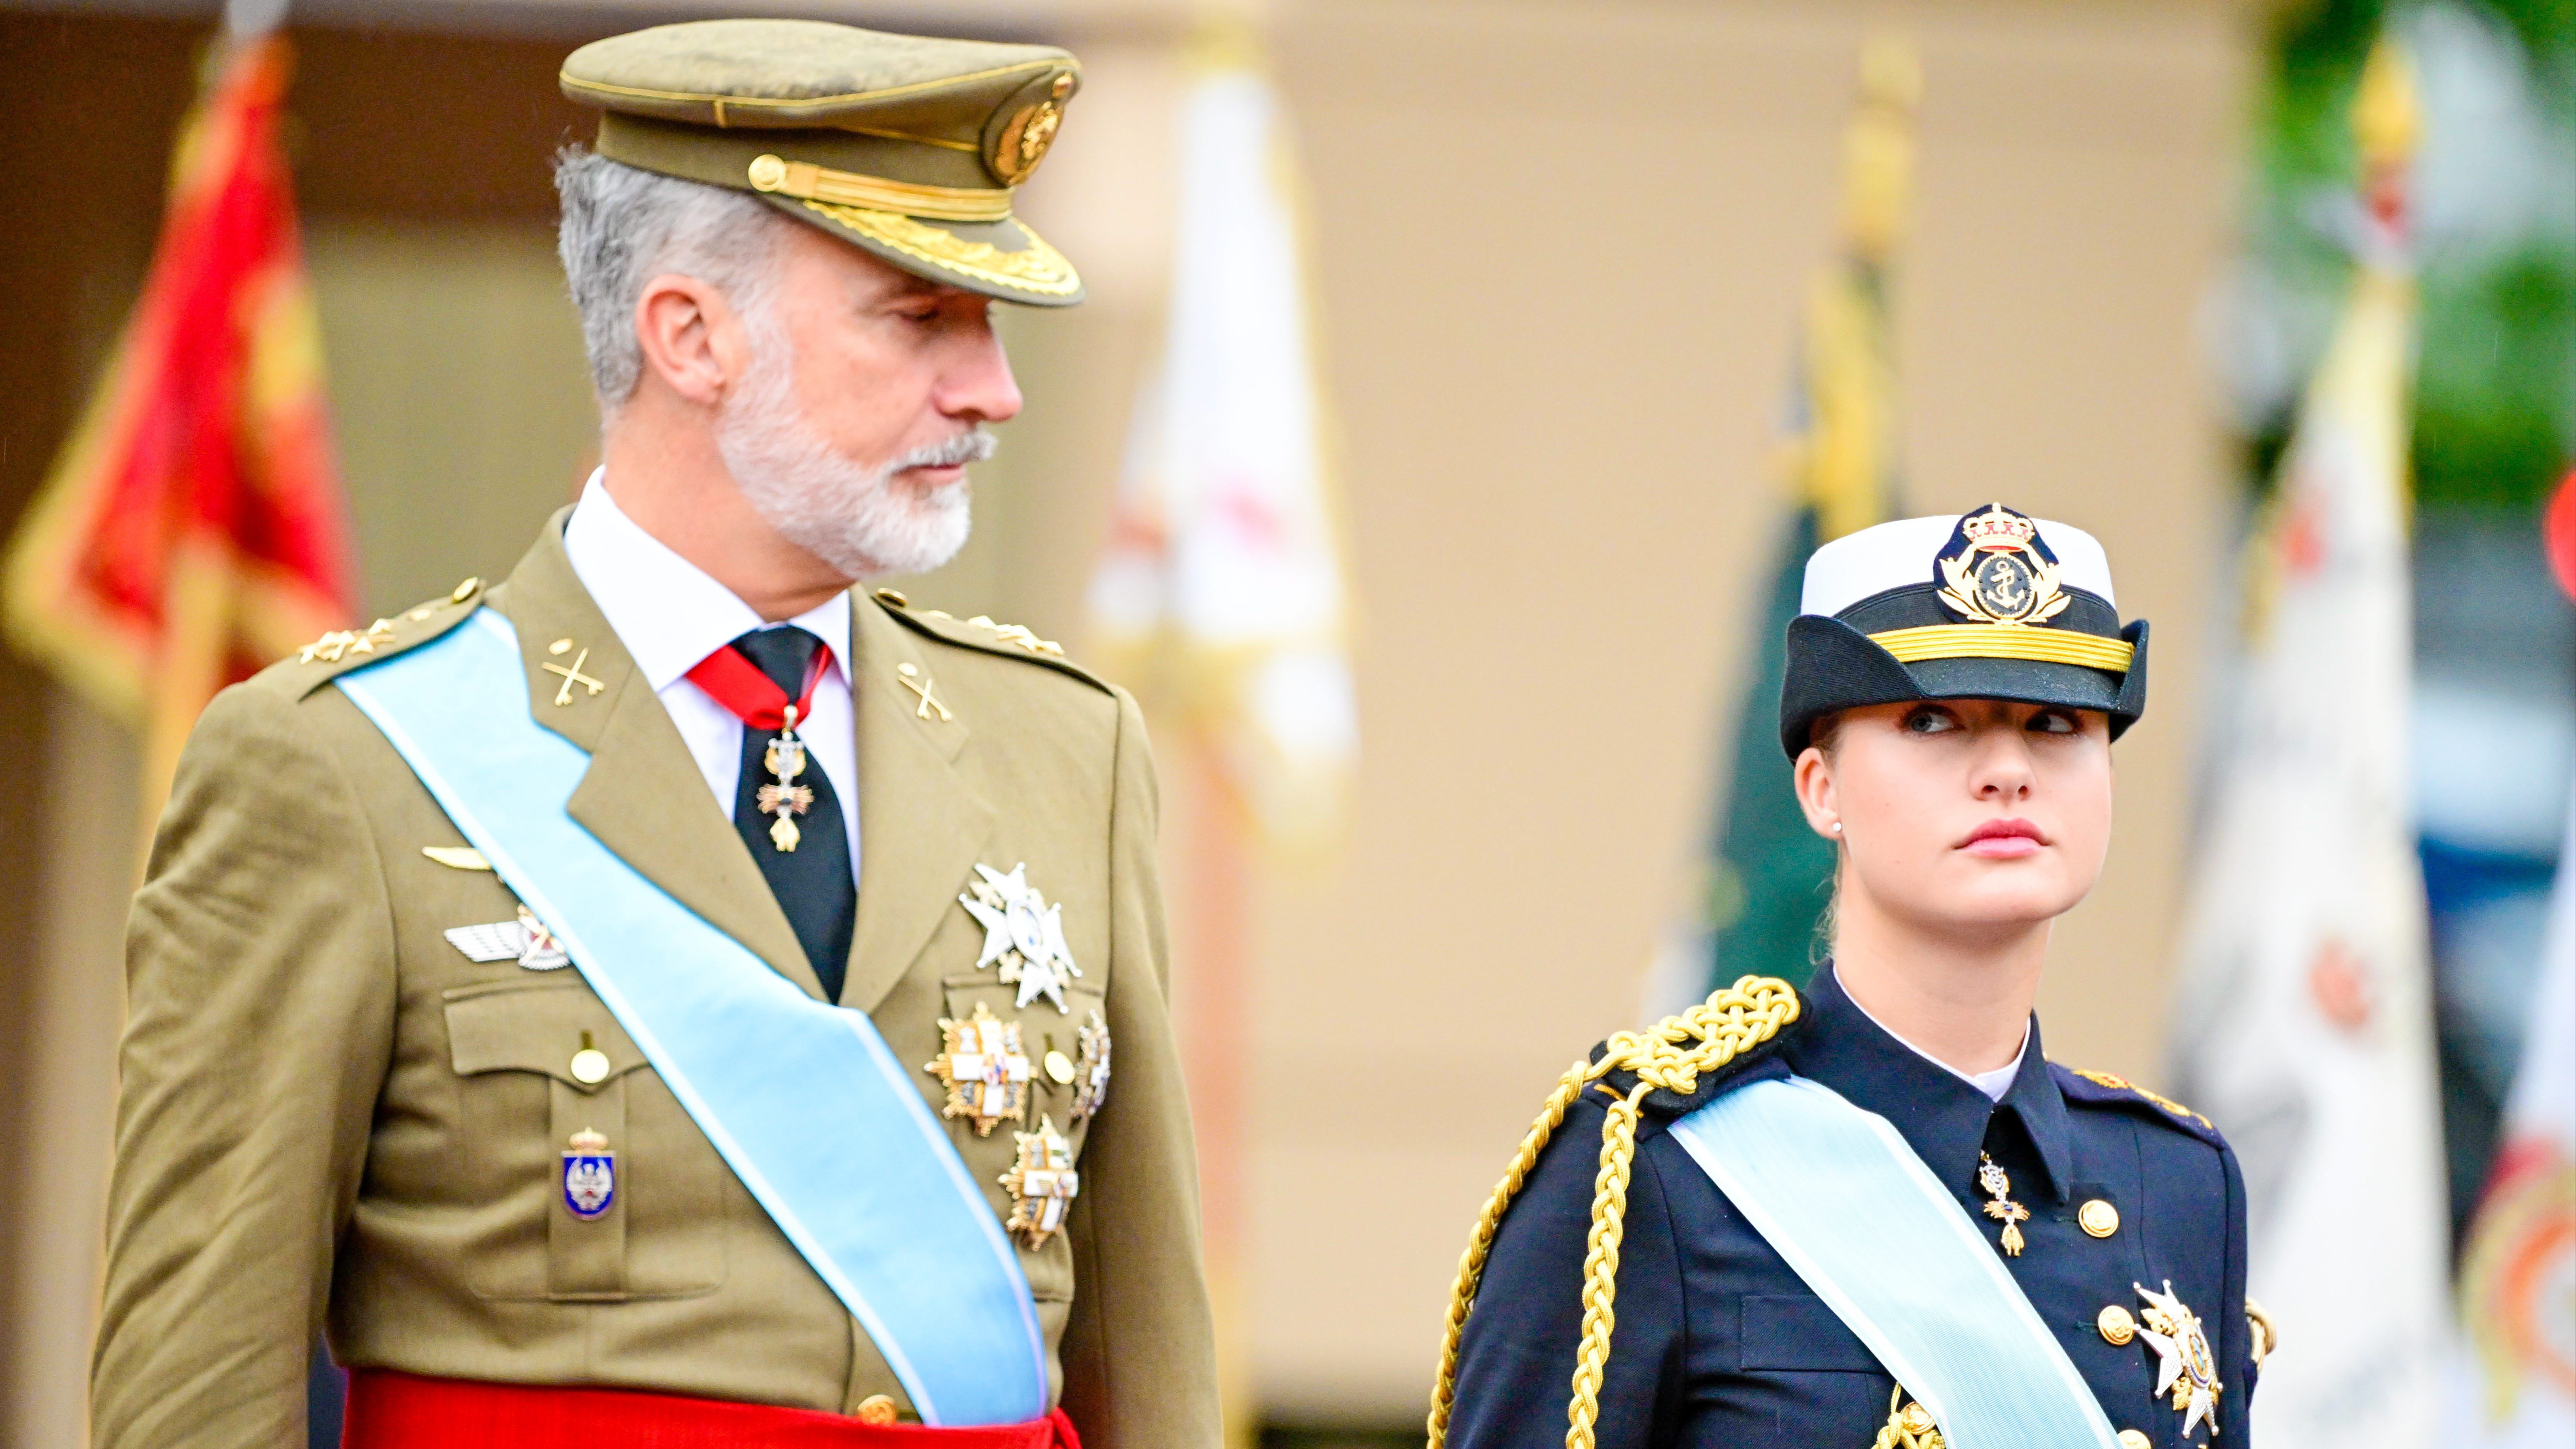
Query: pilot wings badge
{"x": 1997, "y": 570}
{"x": 1022, "y": 933}
{"x": 525, "y": 940}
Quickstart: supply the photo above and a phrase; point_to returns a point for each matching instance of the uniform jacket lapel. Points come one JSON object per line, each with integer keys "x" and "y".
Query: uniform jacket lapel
{"x": 643, "y": 795}
{"x": 922, "y": 825}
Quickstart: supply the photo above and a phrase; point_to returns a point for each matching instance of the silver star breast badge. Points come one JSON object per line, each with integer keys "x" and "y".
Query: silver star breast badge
{"x": 2186, "y": 1367}
{"x": 1022, "y": 934}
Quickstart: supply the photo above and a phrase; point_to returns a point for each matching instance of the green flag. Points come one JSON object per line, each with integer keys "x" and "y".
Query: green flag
{"x": 1769, "y": 876}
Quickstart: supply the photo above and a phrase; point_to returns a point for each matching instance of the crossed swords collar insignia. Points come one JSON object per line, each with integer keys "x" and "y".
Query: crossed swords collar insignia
{"x": 1022, "y": 933}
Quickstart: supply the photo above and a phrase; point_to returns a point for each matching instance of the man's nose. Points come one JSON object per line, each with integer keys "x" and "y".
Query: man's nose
{"x": 979, "y": 384}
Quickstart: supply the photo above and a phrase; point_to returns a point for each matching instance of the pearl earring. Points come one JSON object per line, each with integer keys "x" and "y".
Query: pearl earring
{"x": 1836, "y": 827}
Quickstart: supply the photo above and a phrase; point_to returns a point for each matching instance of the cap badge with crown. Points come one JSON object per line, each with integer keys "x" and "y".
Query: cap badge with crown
{"x": 1997, "y": 571}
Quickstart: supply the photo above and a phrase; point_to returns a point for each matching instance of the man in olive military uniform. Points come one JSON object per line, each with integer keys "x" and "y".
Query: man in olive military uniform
{"x": 667, "y": 991}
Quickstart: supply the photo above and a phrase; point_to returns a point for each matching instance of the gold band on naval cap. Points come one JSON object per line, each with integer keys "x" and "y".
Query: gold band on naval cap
{"x": 910, "y": 147}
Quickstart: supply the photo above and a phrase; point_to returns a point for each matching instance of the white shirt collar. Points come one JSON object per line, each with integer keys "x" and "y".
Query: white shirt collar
{"x": 1994, "y": 1084}
{"x": 668, "y": 612}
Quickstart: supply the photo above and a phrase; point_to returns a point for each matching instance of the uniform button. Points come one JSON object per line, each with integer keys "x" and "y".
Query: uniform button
{"x": 590, "y": 1066}
{"x": 1060, "y": 1067}
{"x": 877, "y": 1409}
{"x": 2132, "y": 1439}
{"x": 2098, "y": 1218}
{"x": 896, "y": 598}
{"x": 464, "y": 591}
{"x": 2116, "y": 1325}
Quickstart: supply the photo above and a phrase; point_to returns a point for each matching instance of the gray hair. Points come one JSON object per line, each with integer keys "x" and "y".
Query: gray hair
{"x": 623, "y": 226}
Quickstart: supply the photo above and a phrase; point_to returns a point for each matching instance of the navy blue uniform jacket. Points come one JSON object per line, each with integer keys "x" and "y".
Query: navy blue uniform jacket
{"x": 1719, "y": 1343}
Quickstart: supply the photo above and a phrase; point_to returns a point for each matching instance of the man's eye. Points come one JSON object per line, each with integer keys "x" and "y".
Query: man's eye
{"x": 2052, "y": 722}
{"x": 1928, "y": 721}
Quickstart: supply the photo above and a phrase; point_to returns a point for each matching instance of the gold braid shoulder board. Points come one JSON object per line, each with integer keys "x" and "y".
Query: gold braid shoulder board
{"x": 1660, "y": 1067}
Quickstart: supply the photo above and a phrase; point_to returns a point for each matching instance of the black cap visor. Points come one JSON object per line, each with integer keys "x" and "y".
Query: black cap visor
{"x": 1833, "y": 667}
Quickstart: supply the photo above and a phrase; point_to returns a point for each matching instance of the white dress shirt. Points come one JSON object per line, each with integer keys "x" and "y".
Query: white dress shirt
{"x": 669, "y": 614}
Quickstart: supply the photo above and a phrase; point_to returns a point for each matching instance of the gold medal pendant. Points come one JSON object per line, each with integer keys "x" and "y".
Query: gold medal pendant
{"x": 1992, "y": 1181}
{"x": 786, "y": 799}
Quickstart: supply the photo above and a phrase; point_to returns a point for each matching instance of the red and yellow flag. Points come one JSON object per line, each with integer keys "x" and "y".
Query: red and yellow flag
{"x": 193, "y": 528}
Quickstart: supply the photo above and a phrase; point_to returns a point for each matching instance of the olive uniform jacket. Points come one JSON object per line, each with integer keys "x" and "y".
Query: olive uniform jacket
{"x": 330, "y": 1114}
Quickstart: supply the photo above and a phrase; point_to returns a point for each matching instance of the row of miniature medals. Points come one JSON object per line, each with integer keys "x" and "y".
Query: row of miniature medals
{"x": 2186, "y": 1368}
{"x": 983, "y": 1064}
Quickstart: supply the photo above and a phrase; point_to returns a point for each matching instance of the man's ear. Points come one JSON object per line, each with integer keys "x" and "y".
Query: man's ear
{"x": 1813, "y": 775}
{"x": 691, "y": 337}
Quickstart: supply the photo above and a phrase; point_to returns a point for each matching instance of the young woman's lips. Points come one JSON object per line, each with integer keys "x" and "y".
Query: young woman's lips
{"x": 2004, "y": 839}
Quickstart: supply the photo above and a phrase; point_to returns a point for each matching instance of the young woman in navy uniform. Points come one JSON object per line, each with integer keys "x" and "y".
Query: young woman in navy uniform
{"x": 1952, "y": 692}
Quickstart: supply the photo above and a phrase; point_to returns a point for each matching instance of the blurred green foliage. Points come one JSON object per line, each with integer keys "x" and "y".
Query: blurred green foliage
{"x": 2495, "y": 420}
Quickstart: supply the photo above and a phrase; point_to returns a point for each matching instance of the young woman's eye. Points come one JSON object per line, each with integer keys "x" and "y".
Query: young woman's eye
{"x": 1928, "y": 722}
{"x": 2053, "y": 722}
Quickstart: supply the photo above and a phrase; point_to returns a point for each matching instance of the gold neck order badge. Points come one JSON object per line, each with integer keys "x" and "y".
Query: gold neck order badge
{"x": 785, "y": 799}
{"x": 1992, "y": 1181}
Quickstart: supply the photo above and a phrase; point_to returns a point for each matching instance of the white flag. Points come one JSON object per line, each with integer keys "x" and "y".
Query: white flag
{"x": 2305, "y": 1027}
{"x": 1221, "y": 593}
{"x": 2517, "y": 1388}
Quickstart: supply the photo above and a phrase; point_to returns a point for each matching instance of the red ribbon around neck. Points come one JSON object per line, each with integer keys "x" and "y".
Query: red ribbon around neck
{"x": 754, "y": 698}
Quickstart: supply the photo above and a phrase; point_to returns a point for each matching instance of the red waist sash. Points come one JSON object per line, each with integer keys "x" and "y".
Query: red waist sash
{"x": 389, "y": 1410}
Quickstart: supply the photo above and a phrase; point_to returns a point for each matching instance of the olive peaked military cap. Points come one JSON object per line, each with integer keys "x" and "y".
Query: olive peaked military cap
{"x": 908, "y": 147}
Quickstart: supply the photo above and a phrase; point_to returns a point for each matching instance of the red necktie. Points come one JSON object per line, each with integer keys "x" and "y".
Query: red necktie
{"x": 750, "y": 694}
{"x": 785, "y": 807}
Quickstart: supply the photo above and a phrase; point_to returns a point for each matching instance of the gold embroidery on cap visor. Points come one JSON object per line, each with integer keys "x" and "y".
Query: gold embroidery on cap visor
{"x": 2005, "y": 641}
{"x": 808, "y": 182}
{"x": 1038, "y": 269}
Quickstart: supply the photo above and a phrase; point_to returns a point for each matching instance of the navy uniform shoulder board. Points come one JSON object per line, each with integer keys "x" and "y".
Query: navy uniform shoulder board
{"x": 2104, "y": 1089}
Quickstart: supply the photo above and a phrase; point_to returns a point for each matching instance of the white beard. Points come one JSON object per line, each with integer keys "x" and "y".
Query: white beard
{"x": 851, "y": 516}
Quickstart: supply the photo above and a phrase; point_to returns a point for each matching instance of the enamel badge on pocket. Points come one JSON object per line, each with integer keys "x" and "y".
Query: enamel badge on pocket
{"x": 589, "y": 1175}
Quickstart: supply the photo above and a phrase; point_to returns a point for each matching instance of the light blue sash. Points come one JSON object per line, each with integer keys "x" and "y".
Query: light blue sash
{"x": 1839, "y": 1195}
{"x": 813, "y": 1113}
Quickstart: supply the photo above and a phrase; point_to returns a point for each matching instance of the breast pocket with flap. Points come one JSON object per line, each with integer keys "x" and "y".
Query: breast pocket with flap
{"x": 544, "y": 1071}
{"x": 1796, "y": 1331}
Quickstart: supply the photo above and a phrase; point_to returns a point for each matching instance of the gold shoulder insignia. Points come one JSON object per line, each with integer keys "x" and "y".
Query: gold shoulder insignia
{"x": 341, "y": 650}
{"x": 981, "y": 632}
{"x": 1668, "y": 1056}
{"x": 331, "y": 648}
{"x": 2123, "y": 1084}
{"x": 1019, "y": 634}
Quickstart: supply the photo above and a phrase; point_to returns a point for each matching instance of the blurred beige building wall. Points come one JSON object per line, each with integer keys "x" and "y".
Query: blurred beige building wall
{"x": 1559, "y": 246}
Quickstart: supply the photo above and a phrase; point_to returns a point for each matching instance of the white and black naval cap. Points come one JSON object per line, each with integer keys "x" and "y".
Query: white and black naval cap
{"x": 1991, "y": 604}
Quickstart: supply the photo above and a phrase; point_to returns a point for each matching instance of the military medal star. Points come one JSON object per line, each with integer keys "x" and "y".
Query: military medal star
{"x": 2186, "y": 1367}
{"x": 1042, "y": 1184}
{"x": 986, "y": 1072}
{"x": 1091, "y": 1074}
{"x": 1023, "y": 933}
